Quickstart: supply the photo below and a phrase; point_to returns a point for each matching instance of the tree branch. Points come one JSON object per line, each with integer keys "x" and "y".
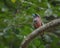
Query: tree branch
{"x": 37, "y": 32}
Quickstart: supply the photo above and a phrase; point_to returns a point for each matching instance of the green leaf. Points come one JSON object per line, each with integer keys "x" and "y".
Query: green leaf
{"x": 13, "y": 1}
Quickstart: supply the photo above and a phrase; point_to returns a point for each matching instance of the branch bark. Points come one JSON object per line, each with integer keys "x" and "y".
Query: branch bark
{"x": 37, "y": 32}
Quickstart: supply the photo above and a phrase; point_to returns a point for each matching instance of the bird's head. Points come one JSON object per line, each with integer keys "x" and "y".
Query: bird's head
{"x": 35, "y": 15}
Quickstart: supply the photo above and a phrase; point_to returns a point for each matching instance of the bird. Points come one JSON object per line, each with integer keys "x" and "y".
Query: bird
{"x": 37, "y": 22}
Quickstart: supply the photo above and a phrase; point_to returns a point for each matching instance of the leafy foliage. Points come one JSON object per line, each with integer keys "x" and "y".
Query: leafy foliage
{"x": 16, "y": 21}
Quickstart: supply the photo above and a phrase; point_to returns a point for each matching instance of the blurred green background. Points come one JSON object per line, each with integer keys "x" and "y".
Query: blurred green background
{"x": 16, "y": 22}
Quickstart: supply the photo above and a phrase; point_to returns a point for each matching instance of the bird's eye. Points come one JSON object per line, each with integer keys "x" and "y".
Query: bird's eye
{"x": 35, "y": 22}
